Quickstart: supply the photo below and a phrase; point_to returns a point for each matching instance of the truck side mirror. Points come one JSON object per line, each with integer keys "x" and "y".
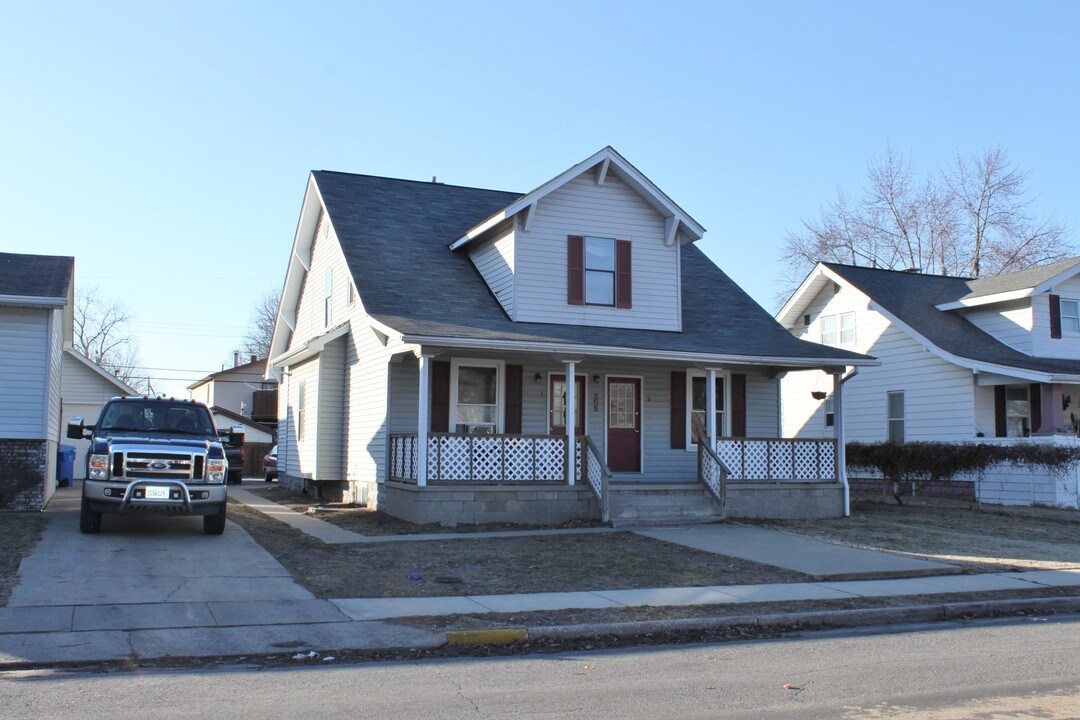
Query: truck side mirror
{"x": 76, "y": 429}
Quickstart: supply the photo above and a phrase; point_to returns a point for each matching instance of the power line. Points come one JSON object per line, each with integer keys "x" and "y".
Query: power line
{"x": 175, "y": 278}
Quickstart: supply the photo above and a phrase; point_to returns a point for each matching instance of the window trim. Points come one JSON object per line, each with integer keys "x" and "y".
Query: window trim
{"x": 500, "y": 389}
{"x": 1063, "y": 315}
{"x": 889, "y": 419}
{"x": 725, "y": 431}
{"x": 584, "y": 400}
{"x": 585, "y": 270}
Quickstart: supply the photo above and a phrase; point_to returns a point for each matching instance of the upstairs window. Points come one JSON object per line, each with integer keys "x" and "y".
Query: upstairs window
{"x": 1070, "y": 315}
{"x": 838, "y": 330}
{"x": 599, "y": 271}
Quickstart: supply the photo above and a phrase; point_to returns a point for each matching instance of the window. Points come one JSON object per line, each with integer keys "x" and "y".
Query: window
{"x": 352, "y": 294}
{"x": 838, "y": 330}
{"x": 830, "y": 411}
{"x": 328, "y": 307}
{"x": 477, "y": 396}
{"x": 301, "y": 409}
{"x": 1018, "y": 410}
{"x": 1070, "y": 316}
{"x": 896, "y": 417}
{"x": 696, "y": 407}
{"x": 599, "y": 271}
{"x": 557, "y": 404}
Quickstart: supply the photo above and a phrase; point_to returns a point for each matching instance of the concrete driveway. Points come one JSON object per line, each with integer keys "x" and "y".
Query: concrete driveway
{"x": 145, "y": 559}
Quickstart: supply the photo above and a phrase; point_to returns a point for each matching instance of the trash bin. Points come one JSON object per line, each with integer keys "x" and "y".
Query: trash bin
{"x": 65, "y": 465}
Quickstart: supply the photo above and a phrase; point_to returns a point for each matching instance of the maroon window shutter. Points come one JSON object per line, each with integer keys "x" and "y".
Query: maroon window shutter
{"x": 738, "y": 405}
{"x": 513, "y": 399}
{"x": 1000, "y": 429}
{"x": 440, "y": 396}
{"x": 1035, "y": 405}
{"x": 623, "y": 274}
{"x": 678, "y": 411}
{"x": 1055, "y": 316}
{"x": 575, "y": 270}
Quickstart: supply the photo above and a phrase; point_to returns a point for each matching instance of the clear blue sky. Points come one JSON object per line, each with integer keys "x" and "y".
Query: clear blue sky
{"x": 166, "y": 146}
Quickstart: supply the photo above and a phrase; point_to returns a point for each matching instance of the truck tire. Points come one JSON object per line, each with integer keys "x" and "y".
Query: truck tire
{"x": 215, "y": 524}
{"x": 89, "y": 521}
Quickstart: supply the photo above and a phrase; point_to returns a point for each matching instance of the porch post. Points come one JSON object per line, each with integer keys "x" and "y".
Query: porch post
{"x": 423, "y": 421}
{"x": 841, "y": 438}
{"x": 710, "y": 405}
{"x": 571, "y": 423}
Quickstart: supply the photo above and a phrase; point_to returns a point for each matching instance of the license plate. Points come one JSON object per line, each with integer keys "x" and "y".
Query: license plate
{"x": 157, "y": 493}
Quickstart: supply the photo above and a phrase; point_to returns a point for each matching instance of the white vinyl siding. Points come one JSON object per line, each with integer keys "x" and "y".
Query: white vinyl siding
{"x": 494, "y": 259}
{"x": 327, "y": 261}
{"x": 1010, "y": 323}
{"x": 56, "y": 374}
{"x": 331, "y": 408}
{"x": 1068, "y": 346}
{"x": 938, "y": 394}
{"x": 301, "y": 454}
{"x": 612, "y": 210}
{"x": 24, "y": 362}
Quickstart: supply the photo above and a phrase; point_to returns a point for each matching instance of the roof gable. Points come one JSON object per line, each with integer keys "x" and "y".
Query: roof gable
{"x": 603, "y": 162}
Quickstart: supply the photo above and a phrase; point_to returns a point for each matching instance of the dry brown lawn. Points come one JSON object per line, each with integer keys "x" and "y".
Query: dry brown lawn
{"x": 978, "y": 540}
{"x": 475, "y": 566}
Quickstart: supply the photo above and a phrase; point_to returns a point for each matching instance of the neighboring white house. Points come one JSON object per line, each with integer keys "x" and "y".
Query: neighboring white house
{"x": 960, "y": 358}
{"x": 240, "y": 389}
{"x": 36, "y": 311}
{"x": 85, "y": 389}
{"x": 442, "y": 349}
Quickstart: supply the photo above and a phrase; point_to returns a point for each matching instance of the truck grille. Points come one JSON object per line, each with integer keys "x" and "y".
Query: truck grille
{"x": 166, "y": 466}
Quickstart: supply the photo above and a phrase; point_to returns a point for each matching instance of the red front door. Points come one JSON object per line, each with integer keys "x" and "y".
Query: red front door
{"x": 624, "y": 424}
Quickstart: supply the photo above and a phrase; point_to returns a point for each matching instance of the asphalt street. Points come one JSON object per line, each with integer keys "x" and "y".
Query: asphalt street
{"x": 1027, "y": 667}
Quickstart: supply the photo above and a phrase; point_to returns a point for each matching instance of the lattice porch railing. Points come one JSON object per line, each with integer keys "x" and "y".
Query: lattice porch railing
{"x": 459, "y": 457}
{"x": 778, "y": 459}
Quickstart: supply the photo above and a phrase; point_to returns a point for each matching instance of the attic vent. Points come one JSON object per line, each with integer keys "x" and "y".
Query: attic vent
{"x": 836, "y": 288}
{"x": 806, "y": 320}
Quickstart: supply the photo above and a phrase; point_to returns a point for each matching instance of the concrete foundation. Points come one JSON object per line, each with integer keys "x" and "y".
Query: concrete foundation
{"x": 453, "y": 505}
{"x": 785, "y": 501}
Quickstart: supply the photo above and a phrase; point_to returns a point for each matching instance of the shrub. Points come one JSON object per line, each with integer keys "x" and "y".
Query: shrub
{"x": 914, "y": 461}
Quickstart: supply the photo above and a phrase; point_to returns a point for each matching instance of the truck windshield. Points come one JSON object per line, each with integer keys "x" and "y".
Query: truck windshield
{"x": 157, "y": 416}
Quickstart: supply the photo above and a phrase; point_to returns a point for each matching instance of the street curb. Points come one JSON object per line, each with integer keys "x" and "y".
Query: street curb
{"x": 818, "y": 619}
{"x": 495, "y": 636}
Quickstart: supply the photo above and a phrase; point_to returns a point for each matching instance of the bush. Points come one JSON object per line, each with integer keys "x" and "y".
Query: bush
{"x": 916, "y": 461}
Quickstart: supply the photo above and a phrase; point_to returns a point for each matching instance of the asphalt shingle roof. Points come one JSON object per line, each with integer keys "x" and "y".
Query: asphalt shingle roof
{"x": 35, "y": 275}
{"x": 911, "y": 298}
{"x": 395, "y": 236}
{"x": 1020, "y": 280}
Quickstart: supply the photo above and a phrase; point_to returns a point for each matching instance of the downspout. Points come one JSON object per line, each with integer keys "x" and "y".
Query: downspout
{"x": 841, "y": 445}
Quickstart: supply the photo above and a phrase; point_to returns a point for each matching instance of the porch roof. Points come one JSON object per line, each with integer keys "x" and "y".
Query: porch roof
{"x": 395, "y": 233}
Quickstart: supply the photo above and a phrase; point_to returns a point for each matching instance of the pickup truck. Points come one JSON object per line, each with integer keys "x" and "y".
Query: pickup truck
{"x": 155, "y": 455}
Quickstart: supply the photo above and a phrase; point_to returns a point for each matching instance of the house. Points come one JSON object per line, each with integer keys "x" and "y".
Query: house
{"x": 84, "y": 390}
{"x": 36, "y": 321}
{"x": 961, "y": 359}
{"x": 459, "y": 355}
{"x": 241, "y": 389}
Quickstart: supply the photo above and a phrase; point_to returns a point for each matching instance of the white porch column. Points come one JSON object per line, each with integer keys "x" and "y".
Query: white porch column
{"x": 423, "y": 421}
{"x": 841, "y": 438}
{"x": 710, "y": 405}
{"x": 571, "y": 423}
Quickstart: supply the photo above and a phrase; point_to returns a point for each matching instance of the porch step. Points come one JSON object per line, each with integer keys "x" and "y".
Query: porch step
{"x": 662, "y": 505}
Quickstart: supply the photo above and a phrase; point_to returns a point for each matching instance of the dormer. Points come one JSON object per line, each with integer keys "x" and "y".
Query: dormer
{"x": 598, "y": 245}
{"x": 1035, "y": 311}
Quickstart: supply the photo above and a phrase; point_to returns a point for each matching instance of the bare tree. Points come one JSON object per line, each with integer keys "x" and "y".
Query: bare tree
{"x": 102, "y": 334}
{"x": 972, "y": 218}
{"x": 257, "y": 339}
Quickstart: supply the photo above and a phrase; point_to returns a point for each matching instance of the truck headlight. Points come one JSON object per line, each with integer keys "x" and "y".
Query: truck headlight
{"x": 215, "y": 469}
{"x": 99, "y": 467}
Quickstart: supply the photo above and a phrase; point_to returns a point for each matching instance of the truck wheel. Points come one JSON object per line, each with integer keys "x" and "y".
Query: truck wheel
{"x": 215, "y": 524}
{"x": 89, "y": 521}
